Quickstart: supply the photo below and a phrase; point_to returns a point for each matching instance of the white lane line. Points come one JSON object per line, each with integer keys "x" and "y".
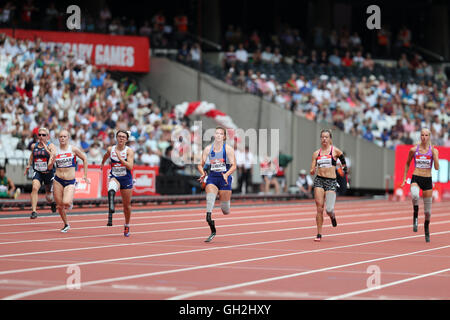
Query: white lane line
{"x": 180, "y": 221}
{"x": 144, "y": 275}
{"x": 234, "y": 217}
{"x": 196, "y": 250}
{"x": 138, "y": 215}
{"x": 236, "y": 211}
{"x": 224, "y": 235}
{"x": 390, "y": 284}
{"x": 168, "y": 214}
{"x": 298, "y": 274}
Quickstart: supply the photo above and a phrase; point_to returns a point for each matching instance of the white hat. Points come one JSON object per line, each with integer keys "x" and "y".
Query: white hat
{"x": 303, "y": 171}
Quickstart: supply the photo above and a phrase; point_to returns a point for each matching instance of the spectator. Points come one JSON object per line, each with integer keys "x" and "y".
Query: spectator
{"x": 300, "y": 58}
{"x": 355, "y": 41}
{"x": 347, "y": 61}
{"x": 358, "y": 60}
{"x": 368, "y": 62}
{"x": 268, "y": 171}
{"x": 195, "y": 53}
{"x": 313, "y": 60}
{"x": 183, "y": 53}
{"x": 229, "y": 60}
{"x": 383, "y": 41}
{"x": 304, "y": 184}
{"x": 334, "y": 58}
{"x": 7, "y": 187}
{"x": 267, "y": 55}
{"x": 277, "y": 57}
{"x": 7, "y": 13}
{"x": 145, "y": 29}
{"x": 241, "y": 54}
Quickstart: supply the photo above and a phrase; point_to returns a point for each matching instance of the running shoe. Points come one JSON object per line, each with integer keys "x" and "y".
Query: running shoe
{"x": 126, "y": 231}
{"x": 33, "y": 215}
{"x": 318, "y": 237}
{"x": 415, "y": 223}
{"x": 65, "y": 229}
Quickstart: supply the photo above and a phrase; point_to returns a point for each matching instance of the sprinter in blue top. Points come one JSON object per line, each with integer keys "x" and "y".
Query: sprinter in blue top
{"x": 222, "y": 164}
{"x": 43, "y": 173}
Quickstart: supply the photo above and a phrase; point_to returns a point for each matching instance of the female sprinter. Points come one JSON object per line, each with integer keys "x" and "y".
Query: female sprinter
{"x": 64, "y": 181}
{"x": 325, "y": 182}
{"x": 122, "y": 162}
{"x": 222, "y": 165}
{"x": 40, "y": 159}
{"x": 424, "y": 155}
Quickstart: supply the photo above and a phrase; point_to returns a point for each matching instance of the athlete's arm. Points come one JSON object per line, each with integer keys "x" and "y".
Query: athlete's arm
{"x": 52, "y": 151}
{"x": 105, "y": 157}
{"x": 436, "y": 158}
{"x": 341, "y": 157}
{"x": 312, "y": 170}
{"x": 30, "y": 160}
{"x": 232, "y": 157}
{"x": 12, "y": 186}
{"x": 408, "y": 161}
{"x": 202, "y": 164}
{"x": 130, "y": 156}
{"x": 83, "y": 157}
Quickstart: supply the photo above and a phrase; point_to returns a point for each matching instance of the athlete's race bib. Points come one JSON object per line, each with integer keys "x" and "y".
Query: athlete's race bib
{"x": 40, "y": 165}
{"x": 64, "y": 160}
{"x": 324, "y": 161}
{"x": 423, "y": 162}
{"x": 218, "y": 165}
{"x": 119, "y": 170}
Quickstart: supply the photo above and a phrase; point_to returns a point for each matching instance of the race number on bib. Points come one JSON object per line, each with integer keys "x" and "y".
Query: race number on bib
{"x": 423, "y": 162}
{"x": 119, "y": 171}
{"x": 218, "y": 165}
{"x": 40, "y": 165}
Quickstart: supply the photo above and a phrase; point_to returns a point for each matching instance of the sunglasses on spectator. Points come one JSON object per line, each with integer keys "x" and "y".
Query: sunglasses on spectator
{"x": 42, "y": 134}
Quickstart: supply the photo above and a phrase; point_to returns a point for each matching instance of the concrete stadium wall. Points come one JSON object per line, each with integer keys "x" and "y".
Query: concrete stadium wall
{"x": 299, "y": 137}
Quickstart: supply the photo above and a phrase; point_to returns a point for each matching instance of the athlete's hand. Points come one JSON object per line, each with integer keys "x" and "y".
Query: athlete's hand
{"x": 202, "y": 177}
{"x": 87, "y": 180}
{"x": 26, "y": 170}
{"x": 225, "y": 177}
{"x": 118, "y": 156}
{"x": 312, "y": 171}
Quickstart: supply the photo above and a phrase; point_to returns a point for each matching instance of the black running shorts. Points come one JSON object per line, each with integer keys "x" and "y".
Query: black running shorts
{"x": 327, "y": 184}
{"x": 425, "y": 183}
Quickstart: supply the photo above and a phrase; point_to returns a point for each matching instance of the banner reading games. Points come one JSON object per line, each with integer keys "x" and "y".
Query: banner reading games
{"x": 440, "y": 178}
{"x": 124, "y": 53}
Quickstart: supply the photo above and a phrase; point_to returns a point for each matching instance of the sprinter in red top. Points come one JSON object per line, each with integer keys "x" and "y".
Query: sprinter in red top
{"x": 325, "y": 185}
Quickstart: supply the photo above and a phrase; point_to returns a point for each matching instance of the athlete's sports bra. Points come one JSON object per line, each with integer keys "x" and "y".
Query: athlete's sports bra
{"x": 326, "y": 160}
{"x": 66, "y": 158}
{"x": 423, "y": 161}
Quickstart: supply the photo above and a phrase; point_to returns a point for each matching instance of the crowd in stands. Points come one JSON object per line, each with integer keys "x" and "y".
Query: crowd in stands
{"x": 328, "y": 77}
{"x": 163, "y": 32}
{"x": 40, "y": 87}
{"x": 337, "y": 82}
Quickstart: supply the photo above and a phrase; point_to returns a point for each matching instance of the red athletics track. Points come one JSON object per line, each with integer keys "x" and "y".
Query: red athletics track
{"x": 261, "y": 251}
